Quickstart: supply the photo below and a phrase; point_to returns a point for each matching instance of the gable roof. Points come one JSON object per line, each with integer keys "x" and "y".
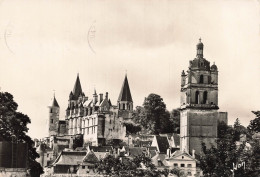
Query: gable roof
{"x": 77, "y": 90}
{"x": 125, "y": 94}
{"x": 180, "y": 153}
{"x": 163, "y": 144}
{"x": 91, "y": 157}
{"x": 69, "y": 158}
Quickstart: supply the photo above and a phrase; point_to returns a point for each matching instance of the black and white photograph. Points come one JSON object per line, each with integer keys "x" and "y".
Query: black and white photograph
{"x": 129, "y": 88}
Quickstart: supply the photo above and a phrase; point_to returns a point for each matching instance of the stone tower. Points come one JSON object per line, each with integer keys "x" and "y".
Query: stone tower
{"x": 53, "y": 121}
{"x": 199, "y": 103}
{"x": 125, "y": 101}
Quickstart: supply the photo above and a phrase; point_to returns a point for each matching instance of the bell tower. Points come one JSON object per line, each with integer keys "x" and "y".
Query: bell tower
{"x": 199, "y": 103}
{"x": 53, "y": 121}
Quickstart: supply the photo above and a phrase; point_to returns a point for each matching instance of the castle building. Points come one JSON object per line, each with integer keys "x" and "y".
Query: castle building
{"x": 199, "y": 104}
{"x": 95, "y": 118}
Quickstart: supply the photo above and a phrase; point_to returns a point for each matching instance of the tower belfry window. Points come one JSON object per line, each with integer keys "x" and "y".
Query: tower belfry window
{"x": 197, "y": 94}
{"x": 205, "y": 97}
{"x": 201, "y": 79}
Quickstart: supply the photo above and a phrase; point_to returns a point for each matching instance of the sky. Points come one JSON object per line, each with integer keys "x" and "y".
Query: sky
{"x": 44, "y": 44}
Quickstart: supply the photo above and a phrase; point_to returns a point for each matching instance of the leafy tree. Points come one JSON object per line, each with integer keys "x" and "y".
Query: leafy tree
{"x": 132, "y": 128}
{"x": 175, "y": 118}
{"x": 78, "y": 142}
{"x": 254, "y": 126}
{"x": 153, "y": 116}
{"x": 239, "y": 130}
{"x": 230, "y": 151}
{"x": 176, "y": 171}
{"x": 218, "y": 161}
{"x": 13, "y": 126}
{"x": 123, "y": 166}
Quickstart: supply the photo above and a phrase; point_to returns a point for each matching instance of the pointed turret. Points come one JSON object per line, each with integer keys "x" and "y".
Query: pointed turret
{"x": 125, "y": 94}
{"x": 125, "y": 101}
{"x": 77, "y": 90}
{"x": 54, "y": 103}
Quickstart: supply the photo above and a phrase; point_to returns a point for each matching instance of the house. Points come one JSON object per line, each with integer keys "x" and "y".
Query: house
{"x": 184, "y": 161}
{"x": 67, "y": 162}
{"x": 90, "y": 162}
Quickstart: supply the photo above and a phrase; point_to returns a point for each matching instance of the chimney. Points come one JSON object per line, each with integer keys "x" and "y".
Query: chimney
{"x": 100, "y": 97}
{"x": 106, "y": 95}
{"x": 193, "y": 153}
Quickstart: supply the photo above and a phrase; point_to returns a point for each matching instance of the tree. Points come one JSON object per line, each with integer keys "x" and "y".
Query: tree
{"x": 254, "y": 126}
{"x": 126, "y": 167}
{"x": 13, "y": 126}
{"x": 78, "y": 142}
{"x": 132, "y": 128}
{"x": 218, "y": 161}
{"x": 175, "y": 118}
{"x": 239, "y": 130}
{"x": 230, "y": 151}
{"x": 153, "y": 116}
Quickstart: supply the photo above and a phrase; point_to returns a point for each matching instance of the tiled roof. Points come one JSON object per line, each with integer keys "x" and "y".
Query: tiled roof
{"x": 91, "y": 158}
{"x": 69, "y": 158}
{"x": 125, "y": 94}
{"x": 135, "y": 151}
{"x": 163, "y": 144}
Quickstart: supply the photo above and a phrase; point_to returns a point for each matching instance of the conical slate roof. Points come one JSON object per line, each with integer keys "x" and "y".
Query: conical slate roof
{"x": 54, "y": 103}
{"x": 125, "y": 94}
{"x": 77, "y": 88}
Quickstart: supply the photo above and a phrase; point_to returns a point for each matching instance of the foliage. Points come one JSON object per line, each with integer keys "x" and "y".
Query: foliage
{"x": 175, "y": 118}
{"x": 153, "y": 116}
{"x": 13, "y": 126}
{"x": 176, "y": 171}
{"x": 78, "y": 142}
{"x": 254, "y": 126}
{"x": 239, "y": 130}
{"x": 126, "y": 166}
{"x": 132, "y": 128}
{"x": 231, "y": 150}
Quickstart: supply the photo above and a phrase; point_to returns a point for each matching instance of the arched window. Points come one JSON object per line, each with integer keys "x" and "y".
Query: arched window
{"x": 197, "y": 94}
{"x": 209, "y": 80}
{"x": 205, "y": 97}
{"x": 201, "y": 79}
